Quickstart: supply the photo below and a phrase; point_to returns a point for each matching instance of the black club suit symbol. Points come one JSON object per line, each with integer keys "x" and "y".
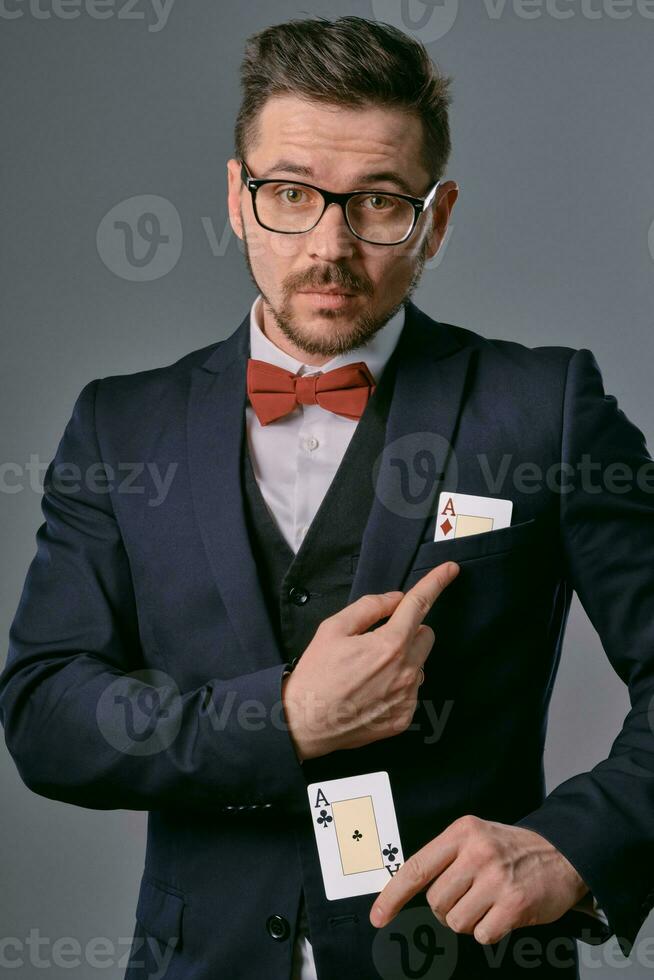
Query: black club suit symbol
{"x": 357, "y": 835}
{"x": 324, "y": 818}
{"x": 390, "y": 852}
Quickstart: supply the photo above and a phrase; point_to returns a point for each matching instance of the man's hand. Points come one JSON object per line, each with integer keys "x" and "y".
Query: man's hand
{"x": 484, "y": 878}
{"x": 354, "y": 685}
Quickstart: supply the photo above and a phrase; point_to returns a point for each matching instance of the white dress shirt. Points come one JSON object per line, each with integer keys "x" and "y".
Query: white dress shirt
{"x": 295, "y": 459}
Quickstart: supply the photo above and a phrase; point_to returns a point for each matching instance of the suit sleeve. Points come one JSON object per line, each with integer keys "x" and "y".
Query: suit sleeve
{"x": 603, "y": 820}
{"x": 84, "y": 720}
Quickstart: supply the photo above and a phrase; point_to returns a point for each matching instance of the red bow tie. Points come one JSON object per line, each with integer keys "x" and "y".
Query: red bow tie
{"x": 274, "y": 392}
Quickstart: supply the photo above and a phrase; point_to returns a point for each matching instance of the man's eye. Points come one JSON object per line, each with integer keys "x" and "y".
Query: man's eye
{"x": 378, "y": 203}
{"x": 290, "y": 195}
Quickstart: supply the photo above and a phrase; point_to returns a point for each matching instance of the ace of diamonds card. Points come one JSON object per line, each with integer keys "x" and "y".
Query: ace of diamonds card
{"x": 461, "y": 514}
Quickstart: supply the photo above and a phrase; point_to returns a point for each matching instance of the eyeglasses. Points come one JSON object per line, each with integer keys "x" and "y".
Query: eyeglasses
{"x": 293, "y": 208}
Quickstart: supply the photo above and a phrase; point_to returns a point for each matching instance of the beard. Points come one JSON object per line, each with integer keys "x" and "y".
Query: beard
{"x": 357, "y": 332}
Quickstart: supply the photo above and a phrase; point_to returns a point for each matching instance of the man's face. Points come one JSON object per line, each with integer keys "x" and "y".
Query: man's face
{"x": 335, "y": 147}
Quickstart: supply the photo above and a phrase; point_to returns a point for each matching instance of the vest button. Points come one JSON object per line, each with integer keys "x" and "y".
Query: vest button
{"x": 298, "y": 596}
{"x": 278, "y": 927}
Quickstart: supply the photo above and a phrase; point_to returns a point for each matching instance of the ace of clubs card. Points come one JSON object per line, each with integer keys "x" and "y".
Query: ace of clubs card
{"x": 356, "y": 833}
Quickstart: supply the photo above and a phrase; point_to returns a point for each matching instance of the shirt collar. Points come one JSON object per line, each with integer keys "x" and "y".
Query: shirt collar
{"x": 375, "y": 352}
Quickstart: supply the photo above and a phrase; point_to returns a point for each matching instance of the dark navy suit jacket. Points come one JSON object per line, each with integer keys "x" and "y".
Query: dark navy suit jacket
{"x": 127, "y": 578}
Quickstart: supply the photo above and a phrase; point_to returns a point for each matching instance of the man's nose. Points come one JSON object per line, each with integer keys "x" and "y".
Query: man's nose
{"x": 331, "y": 239}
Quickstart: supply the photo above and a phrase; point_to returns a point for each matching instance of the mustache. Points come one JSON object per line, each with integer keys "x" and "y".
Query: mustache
{"x": 334, "y": 277}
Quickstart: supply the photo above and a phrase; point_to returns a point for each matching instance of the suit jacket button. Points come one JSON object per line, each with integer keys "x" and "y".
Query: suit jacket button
{"x": 298, "y": 596}
{"x": 278, "y": 927}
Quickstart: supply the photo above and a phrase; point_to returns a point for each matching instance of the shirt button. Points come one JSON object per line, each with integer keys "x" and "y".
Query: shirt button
{"x": 278, "y": 927}
{"x": 312, "y": 442}
{"x": 298, "y": 596}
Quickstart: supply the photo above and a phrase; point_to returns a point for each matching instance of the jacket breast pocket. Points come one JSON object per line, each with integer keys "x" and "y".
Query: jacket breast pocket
{"x": 499, "y": 602}
{"x": 472, "y": 547}
{"x": 160, "y": 911}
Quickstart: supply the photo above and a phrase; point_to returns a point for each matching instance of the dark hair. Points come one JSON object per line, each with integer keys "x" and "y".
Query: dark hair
{"x": 351, "y": 62}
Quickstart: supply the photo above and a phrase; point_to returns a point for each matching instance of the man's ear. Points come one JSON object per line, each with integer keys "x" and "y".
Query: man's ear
{"x": 446, "y": 197}
{"x": 234, "y": 185}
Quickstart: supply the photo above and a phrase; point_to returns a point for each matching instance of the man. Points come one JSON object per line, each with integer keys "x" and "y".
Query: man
{"x": 288, "y": 615}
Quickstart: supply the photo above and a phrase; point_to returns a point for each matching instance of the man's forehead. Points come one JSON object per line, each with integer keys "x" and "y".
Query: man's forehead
{"x": 311, "y": 140}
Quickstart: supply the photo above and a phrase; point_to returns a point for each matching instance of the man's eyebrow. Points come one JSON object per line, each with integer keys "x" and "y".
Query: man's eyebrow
{"x": 364, "y": 179}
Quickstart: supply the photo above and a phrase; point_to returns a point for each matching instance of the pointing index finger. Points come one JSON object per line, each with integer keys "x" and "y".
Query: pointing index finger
{"x": 415, "y": 875}
{"x": 418, "y": 600}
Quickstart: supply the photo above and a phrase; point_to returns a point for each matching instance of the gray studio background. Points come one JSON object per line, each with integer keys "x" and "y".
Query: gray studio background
{"x": 551, "y": 242}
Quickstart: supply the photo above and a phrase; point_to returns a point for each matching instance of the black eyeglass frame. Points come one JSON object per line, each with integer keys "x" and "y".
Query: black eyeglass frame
{"x": 419, "y": 204}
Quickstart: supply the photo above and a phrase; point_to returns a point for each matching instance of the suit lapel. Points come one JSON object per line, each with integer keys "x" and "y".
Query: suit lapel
{"x": 427, "y": 397}
{"x": 215, "y": 431}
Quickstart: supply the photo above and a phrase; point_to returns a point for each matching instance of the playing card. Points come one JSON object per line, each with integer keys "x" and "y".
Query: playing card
{"x": 461, "y": 514}
{"x": 356, "y": 833}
